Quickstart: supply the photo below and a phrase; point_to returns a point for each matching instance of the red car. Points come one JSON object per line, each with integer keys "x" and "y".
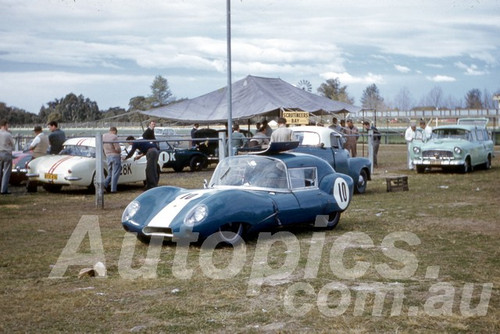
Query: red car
{"x": 19, "y": 162}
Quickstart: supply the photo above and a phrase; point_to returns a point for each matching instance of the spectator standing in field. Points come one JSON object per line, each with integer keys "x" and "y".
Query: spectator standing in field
{"x": 149, "y": 133}
{"x": 57, "y": 137}
{"x": 426, "y": 130}
{"x": 410, "y": 135}
{"x": 237, "y": 138}
{"x": 193, "y": 131}
{"x": 282, "y": 133}
{"x": 6, "y": 148}
{"x": 352, "y": 133}
{"x": 335, "y": 125}
{"x": 150, "y": 150}
{"x": 376, "y": 140}
{"x": 40, "y": 143}
{"x": 113, "y": 159}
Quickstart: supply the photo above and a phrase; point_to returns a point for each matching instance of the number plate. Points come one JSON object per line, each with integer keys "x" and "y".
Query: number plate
{"x": 49, "y": 176}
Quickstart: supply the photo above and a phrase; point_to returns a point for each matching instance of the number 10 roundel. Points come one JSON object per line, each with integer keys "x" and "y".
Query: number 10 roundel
{"x": 341, "y": 193}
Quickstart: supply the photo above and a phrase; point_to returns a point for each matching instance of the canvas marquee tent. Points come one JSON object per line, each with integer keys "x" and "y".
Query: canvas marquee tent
{"x": 251, "y": 96}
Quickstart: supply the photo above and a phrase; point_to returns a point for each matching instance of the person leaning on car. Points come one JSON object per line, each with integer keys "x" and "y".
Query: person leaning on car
{"x": 151, "y": 152}
{"x": 57, "y": 138}
{"x": 6, "y": 148}
{"x": 113, "y": 159}
{"x": 40, "y": 143}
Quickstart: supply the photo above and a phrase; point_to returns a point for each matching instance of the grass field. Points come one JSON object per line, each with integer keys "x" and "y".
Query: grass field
{"x": 420, "y": 261}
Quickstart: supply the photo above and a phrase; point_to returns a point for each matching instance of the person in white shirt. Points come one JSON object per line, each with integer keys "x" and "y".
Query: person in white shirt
{"x": 282, "y": 133}
{"x": 40, "y": 143}
{"x": 426, "y": 131}
{"x": 410, "y": 135}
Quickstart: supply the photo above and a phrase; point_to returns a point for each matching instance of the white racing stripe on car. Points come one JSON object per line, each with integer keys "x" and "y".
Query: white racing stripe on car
{"x": 166, "y": 215}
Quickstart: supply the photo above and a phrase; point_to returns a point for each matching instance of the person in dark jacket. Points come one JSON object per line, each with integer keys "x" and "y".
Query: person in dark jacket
{"x": 57, "y": 137}
{"x": 151, "y": 152}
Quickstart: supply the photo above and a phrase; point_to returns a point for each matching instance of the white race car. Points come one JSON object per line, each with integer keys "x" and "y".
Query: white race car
{"x": 76, "y": 165}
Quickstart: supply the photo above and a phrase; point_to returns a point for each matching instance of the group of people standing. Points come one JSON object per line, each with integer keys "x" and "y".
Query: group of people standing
{"x": 351, "y": 133}
{"x": 112, "y": 150}
{"x": 412, "y": 133}
{"x": 39, "y": 146}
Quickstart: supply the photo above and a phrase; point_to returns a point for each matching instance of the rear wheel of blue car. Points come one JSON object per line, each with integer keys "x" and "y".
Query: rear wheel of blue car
{"x": 362, "y": 180}
{"x": 333, "y": 220}
{"x": 231, "y": 233}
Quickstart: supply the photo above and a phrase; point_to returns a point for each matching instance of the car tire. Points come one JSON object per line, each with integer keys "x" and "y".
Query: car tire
{"x": 197, "y": 162}
{"x": 32, "y": 186}
{"x": 178, "y": 168}
{"x": 487, "y": 164}
{"x": 420, "y": 169}
{"x": 467, "y": 167}
{"x": 360, "y": 187}
{"x": 52, "y": 188}
{"x": 230, "y": 234}
{"x": 333, "y": 220}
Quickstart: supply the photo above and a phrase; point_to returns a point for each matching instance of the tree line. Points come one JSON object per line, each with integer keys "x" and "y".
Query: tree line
{"x": 76, "y": 108}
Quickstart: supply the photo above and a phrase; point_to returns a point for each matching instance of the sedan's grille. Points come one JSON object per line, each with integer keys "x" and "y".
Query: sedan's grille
{"x": 437, "y": 154}
{"x": 164, "y": 231}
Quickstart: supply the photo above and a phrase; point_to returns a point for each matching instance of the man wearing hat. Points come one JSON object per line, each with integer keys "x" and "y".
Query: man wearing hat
{"x": 351, "y": 133}
{"x": 40, "y": 143}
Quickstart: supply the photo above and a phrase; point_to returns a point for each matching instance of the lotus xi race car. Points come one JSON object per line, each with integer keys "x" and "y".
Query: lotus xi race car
{"x": 246, "y": 194}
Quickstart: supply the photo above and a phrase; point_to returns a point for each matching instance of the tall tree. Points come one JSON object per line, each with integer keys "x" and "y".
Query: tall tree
{"x": 403, "y": 100}
{"x": 435, "y": 97}
{"x": 333, "y": 90}
{"x": 371, "y": 98}
{"x": 160, "y": 92}
{"x": 71, "y": 108}
{"x": 473, "y": 99}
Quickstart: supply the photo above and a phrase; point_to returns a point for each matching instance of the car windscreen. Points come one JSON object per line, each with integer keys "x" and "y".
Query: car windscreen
{"x": 79, "y": 151}
{"x": 450, "y": 134}
{"x": 307, "y": 138}
{"x": 251, "y": 171}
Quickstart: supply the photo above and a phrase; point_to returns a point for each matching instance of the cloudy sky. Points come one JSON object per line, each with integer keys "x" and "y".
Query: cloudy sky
{"x": 111, "y": 50}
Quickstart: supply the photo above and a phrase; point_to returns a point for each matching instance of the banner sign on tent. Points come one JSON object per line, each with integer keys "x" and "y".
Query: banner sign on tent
{"x": 296, "y": 117}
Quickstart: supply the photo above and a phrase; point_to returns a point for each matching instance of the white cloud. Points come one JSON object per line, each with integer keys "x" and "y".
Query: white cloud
{"x": 441, "y": 78}
{"x": 402, "y": 69}
{"x": 346, "y": 78}
{"x": 470, "y": 69}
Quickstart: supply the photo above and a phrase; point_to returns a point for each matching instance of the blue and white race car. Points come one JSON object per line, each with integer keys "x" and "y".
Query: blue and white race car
{"x": 246, "y": 194}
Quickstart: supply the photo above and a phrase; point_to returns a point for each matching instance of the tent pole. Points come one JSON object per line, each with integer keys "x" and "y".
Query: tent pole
{"x": 229, "y": 88}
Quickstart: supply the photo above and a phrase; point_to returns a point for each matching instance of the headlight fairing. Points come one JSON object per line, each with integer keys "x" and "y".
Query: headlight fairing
{"x": 416, "y": 150}
{"x": 196, "y": 215}
{"x": 130, "y": 211}
{"x": 457, "y": 150}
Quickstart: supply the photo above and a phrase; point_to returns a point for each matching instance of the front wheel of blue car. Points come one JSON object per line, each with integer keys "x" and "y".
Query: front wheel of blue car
{"x": 231, "y": 233}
